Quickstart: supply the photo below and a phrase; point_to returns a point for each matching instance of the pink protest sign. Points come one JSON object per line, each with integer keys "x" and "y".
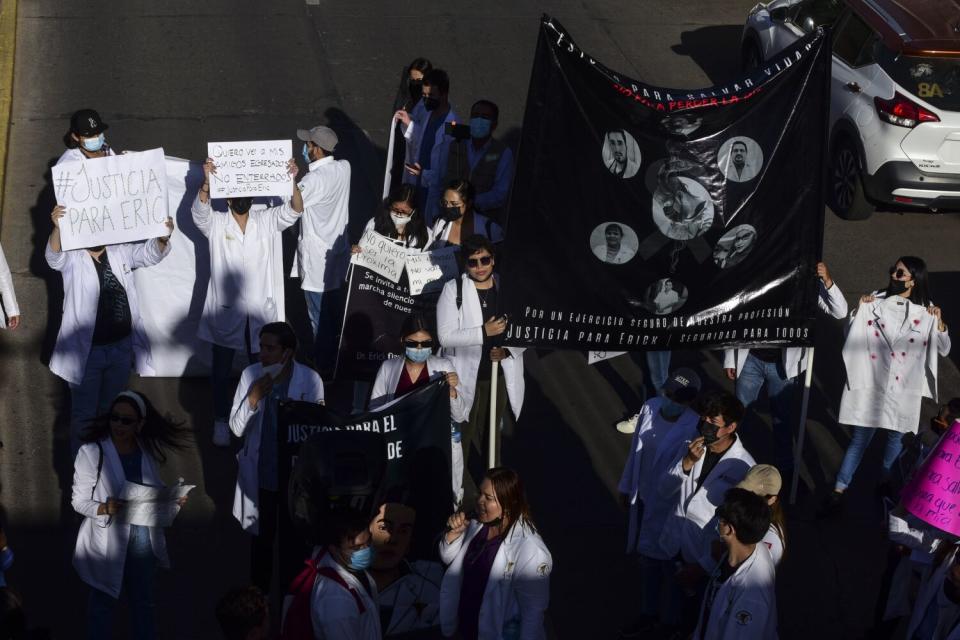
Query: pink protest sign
{"x": 933, "y": 495}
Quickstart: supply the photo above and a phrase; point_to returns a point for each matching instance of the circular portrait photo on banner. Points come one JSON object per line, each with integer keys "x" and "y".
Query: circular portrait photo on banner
{"x": 682, "y": 208}
{"x": 614, "y": 242}
{"x": 734, "y": 246}
{"x": 740, "y": 159}
{"x": 621, "y": 154}
{"x": 681, "y": 124}
{"x": 665, "y": 296}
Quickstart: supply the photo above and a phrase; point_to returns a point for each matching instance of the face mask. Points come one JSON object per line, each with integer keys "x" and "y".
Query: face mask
{"x": 671, "y": 409}
{"x": 241, "y": 205}
{"x": 417, "y": 354}
{"x": 399, "y": 221}
{"x": 480, "y": 128}
{"x": 896, "y": 287}
{"x": 360, "y": 559}
{"x": 450, "y": 214}
{"x": 273, "y": 370}
{"x": 415, "y": 87}
{"x": 306, "y": 153}
{"x": 431, "y": 103}
{"x": 93, "y": 144}
{"x": 708, "y": 431}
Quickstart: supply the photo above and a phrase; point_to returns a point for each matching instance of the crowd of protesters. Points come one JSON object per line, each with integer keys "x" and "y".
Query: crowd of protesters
{"x": 705, "y": 523}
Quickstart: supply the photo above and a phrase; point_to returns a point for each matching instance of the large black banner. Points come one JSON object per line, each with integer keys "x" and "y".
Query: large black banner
{"x": 416, "y": 434}
{"x": 650, "y": 218}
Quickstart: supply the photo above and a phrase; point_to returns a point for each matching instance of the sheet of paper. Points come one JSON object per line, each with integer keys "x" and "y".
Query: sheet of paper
{"x": 151, "y": 506}
{"x": 251, "y": 168}
{"x": 594, "y": 357}
{"x": 381, "y": 255}
{"x": 430, "y": 270}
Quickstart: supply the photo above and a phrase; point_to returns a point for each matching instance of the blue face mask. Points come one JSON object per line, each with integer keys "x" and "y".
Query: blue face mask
{"x": 480, "y": 128}
{"x": 417, "y": 354}
{"x": 671, "y": 409}
{"x": 93, "y": 144}
{"x": 361, "y": 559}
{"x": 306, "y": 153}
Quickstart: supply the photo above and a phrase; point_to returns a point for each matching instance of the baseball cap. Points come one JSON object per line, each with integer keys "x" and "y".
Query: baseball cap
{"x": 682, "y": 379}
{"x": 87, "y": 123}
{"x": 323, "y": 137}
{"x": 763, "y": 480}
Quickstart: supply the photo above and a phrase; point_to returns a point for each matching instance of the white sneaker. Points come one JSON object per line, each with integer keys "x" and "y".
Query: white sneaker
{"x": 221, "y": 433}
{"x": 629, "y": 425}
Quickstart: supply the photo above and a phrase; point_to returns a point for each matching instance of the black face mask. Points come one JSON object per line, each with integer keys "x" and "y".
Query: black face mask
{"x": 97, "y": 248}
{"x": 241, "y": 205}
{"x": 708, "y": 431}
{"x": 431, "y": 103}
{"x": 450, "y": 214}
{"x": 896, "y": 287}
{"x": 415, "y": 87}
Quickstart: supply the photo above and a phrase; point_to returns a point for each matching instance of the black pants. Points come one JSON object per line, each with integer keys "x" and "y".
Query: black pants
{"x": 275, "y": 524}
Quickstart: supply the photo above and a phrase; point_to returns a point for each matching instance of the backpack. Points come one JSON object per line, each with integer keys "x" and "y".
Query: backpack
{"x": 296, "y": 623}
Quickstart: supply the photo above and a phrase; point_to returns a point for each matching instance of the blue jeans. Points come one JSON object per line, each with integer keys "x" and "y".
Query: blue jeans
{"x": 858, "y": 446}
{"x": 655, "y": 574}
{"x": 138, "y": 570}
{"x": 221, "y": 366}
{"x": 325, "y": 309}
{"x": 781, "y": 390}
{"x": 659, "y": 364}
{"x": 105, "y": 375}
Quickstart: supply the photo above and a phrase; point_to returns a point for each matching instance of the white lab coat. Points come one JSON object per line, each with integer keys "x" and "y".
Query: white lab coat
{"x": 745, "y": 605}
{"x": 7, "y": 295}
{"x": 481, "y": 225}
{"x": 71, "y": 155}
{"x": 517, "y": 592}
{"x": 432, "y": 178}
{"x": 414, "y": 598}
{"x": 830, "y": 301}
{"x": 246, "y": 272}
{"x": 81, "y": 295}
{"x": 102, "y": 541}
{"x": 929, "y": 590}
{"x": 686, "y": 529}
{"x": 334, "y": 613}
{"x": 643, "y": 473}
{"x": 461, "y": 334}
{"x": 891, "y": 364}
{"x": 245, "y": 422}
{"x": 323, "y": 253}
{"x": 388, "y": 376}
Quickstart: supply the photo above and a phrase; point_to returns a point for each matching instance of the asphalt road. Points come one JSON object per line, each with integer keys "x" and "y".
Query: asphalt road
{"x": 180, "y": 73}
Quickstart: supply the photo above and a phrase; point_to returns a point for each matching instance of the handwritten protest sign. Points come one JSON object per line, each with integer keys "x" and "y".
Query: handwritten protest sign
{"x": 112, "y": 200}
{"x": 933, "y": 494}
{"x": 250, "y": 169}
{"x": 430, "y": 270}
{"x": 594, "y": 357}
{"x": 381, "y": 255}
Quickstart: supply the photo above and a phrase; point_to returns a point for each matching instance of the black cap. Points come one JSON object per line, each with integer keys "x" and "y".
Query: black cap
{"x": 86, "y": 123}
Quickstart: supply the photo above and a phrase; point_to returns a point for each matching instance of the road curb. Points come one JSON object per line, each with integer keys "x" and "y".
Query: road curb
{"x": 8, "y": 45}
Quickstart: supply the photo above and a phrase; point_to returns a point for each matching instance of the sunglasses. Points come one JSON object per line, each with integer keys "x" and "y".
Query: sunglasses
{"x": 899, "y": 273}
{"x": 124, "y": 420}
{"x": 473, "y": 263}
{"x": 413, "y": 344}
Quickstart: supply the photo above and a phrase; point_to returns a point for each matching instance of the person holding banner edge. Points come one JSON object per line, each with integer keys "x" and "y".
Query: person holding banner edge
{"x": 101, "y": 333}
{"x": 239, "y": 298}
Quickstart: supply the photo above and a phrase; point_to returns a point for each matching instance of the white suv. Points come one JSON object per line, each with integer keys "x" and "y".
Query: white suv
{"x": 895, "y": 96}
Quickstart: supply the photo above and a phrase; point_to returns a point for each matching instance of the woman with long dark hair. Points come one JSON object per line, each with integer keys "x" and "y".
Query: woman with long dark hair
{"x": 400, "y": 220}
{"x": 890, "y": 355}
{"x": 458, "y": 219}
{"x": 125, "y": 445}
{"x": 501, "y": 545}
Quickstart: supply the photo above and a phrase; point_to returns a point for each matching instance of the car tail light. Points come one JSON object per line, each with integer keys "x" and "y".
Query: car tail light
{"x": 903, "y": 112}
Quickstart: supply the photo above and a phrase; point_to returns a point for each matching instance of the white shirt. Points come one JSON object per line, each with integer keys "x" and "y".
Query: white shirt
{"x": 7, "y": 294}
{"x": 334, "y": 613}
{"x": 323, "y": 253}
{"x": 622, "y": 256}
{"x": 665, "y": 300}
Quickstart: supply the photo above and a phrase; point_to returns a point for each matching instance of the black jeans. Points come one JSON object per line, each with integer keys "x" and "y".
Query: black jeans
{"x": 275, "y": 524}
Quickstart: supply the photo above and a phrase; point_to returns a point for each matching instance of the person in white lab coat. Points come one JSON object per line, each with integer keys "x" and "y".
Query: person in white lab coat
{"x": 86, "y": 138}
{"x": 259, "y": 501}
{"x": 936, "y": 614}
{"x": 101, "y": 331}
{"x": 765, "y": 481}
{"x": 416, "y": 367}
{"x": 890, "y": 355}
{"x": 664, "y": 422}
{"x": 10, "y": 318}
{"x": 343, "y": 604}
{"x": 246, "y": 264}
{"x": 400, "y": 220}
{"x": 459, "y": 220}
{"x": 740, "y": 602}
{"x": 497, "y": 583}
{"x": 428, "y": 144}
{"x": 779, "y": 369}
{"x": 699, "y": 478}
{"x": 323, "y": 252}
{"x": 471, "y": 330}
{"x": 124, "y": 445}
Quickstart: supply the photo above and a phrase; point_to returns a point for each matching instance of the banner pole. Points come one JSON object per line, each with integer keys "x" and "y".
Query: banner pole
{"x": 798, "y": 455}
{"x": 492, "y": 435}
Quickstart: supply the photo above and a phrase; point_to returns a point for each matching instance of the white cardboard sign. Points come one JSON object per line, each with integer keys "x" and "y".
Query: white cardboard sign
{"x": 381, "y": 255}
{"x": 252, "y": 168}
{"x": 430, "y": 270}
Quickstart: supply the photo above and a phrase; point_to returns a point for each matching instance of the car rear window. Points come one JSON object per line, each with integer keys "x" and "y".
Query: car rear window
{"x": 933, "y": 80}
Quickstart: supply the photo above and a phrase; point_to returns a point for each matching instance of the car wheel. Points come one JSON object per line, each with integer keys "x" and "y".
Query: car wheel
{"x": 846, "y": 195}
{"x": 750, "y": 57}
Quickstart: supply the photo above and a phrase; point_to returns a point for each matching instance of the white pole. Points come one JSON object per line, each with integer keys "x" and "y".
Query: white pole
{"x": 798, "y": 456}
{"x": 492, "y": 435}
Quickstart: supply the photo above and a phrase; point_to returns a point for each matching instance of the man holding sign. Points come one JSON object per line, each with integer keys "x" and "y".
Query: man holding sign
{"x": 246, "y": 280}
{"x": 101, "y": 332}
